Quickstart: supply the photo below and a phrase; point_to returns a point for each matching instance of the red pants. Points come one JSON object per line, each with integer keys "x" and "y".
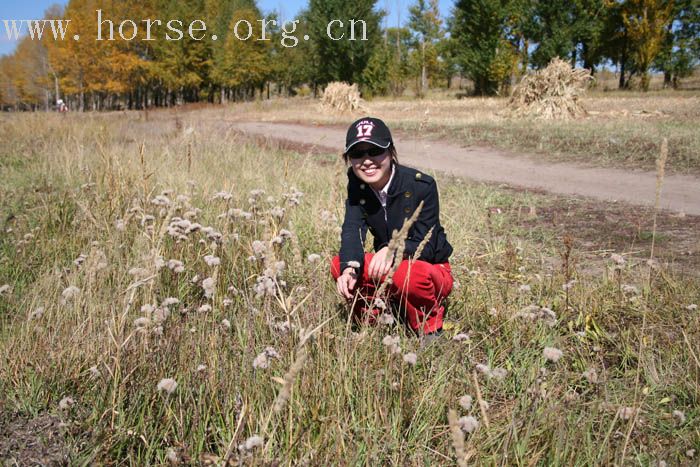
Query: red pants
{"x": 418, "y": 288}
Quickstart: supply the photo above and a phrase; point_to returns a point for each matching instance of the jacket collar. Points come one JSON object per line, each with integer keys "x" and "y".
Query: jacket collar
{"x": 397, "y": 182}
{"x": 391, "y": 179}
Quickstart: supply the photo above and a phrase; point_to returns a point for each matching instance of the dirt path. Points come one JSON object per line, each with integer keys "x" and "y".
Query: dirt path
{"x": 680, "y": 193}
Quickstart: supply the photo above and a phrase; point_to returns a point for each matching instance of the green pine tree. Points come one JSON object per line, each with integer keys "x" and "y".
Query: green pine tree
{"x": 181, "y": 67}
{"x": 375, "y": 78}
{"x": 398, "y": 41}
{"x": 294, "y": 61}
{"x": 343, "y": 57}
{"x": 484, "y": 47}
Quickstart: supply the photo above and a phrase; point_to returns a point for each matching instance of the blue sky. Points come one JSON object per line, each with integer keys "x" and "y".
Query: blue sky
{"x": 34, "y": 9}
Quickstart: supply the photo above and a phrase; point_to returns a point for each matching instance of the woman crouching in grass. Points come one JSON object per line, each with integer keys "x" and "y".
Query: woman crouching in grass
{"x": 382, "y": 194}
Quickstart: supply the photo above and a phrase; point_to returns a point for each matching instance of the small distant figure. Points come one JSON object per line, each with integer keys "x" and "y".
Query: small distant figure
{"x": 61, "y": 106}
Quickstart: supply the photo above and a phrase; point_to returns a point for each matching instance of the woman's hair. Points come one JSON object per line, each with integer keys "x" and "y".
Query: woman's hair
{"x": 392, "y": 153}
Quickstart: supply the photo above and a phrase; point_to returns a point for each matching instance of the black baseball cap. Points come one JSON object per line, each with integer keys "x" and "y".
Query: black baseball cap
{"x": 368, "y": 130}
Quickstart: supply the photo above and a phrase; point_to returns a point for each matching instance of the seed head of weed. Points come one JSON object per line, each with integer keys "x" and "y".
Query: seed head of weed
{"x": 466, "y": 402}
{"x": 552, "y": 354}
{"x": 66, "y": 403}
{"x": 468, "y": 424}
{"x": 167, "y": 385}
{"x": 410, "y": 358}
{"x": 212, "y": 260}
{"x": 461, "y": 337}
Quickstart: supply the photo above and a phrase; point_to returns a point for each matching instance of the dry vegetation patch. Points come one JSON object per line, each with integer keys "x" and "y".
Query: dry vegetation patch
{"x": 341, "y": 97}
{"x": 600, "y": 228}
{"x": 551, "y": 93}
{"x": 178, "y": 293}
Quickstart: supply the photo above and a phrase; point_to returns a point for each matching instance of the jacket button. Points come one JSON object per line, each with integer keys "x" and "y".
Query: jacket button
{"x": 362, "y": 202}
{"x": 362, "y": 186}
{"x": 407, "y": 194}
{"x": 418, "y": 176}
{"x": 407, "y": 210}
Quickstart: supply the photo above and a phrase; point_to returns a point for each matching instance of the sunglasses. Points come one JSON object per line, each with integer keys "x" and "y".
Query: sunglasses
{"x": 371, "y": 152}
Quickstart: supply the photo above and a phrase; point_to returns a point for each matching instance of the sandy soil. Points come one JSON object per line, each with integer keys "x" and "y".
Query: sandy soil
{"x": 681, "y": 193}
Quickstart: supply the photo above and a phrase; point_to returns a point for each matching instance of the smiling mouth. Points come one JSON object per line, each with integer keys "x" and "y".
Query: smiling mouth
{"x": 369, "y": 172}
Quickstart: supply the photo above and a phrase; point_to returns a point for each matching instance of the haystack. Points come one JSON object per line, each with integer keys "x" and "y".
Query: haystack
{"x": 341, "y": 97}
{"x": 551, "y": 93}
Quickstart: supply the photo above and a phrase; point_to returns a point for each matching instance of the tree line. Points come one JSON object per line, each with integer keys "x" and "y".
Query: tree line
{"x": 491, "y": 42}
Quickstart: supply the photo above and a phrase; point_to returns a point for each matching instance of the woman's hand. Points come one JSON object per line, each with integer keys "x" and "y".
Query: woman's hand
{"x": 380, "y": 264}
{"x": 346, "y": 282}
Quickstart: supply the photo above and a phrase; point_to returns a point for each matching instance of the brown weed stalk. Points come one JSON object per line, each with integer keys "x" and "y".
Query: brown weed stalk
{"x": 396, "y": 248}
{"x": 457, "y": 438}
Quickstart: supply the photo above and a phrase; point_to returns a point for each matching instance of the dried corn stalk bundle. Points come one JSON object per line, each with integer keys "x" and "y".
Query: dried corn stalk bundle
{"x": 341, "y": 96}
{"x": 551, "y": 93}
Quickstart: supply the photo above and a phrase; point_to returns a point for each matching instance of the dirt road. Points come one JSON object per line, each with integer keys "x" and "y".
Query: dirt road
{"x": 681, "y": 193}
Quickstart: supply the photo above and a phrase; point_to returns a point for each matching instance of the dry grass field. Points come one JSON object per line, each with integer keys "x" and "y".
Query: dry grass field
{"x": 166, "y": 298}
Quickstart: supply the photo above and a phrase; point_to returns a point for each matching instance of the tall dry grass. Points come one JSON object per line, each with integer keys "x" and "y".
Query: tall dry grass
{"x": 245, "y": 355}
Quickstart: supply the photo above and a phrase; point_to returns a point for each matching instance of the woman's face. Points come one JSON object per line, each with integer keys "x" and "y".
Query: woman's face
{"x": 373, "y": 170}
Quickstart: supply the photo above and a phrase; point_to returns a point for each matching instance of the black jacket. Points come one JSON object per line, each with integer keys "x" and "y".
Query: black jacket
{"x": 364, "y": 211}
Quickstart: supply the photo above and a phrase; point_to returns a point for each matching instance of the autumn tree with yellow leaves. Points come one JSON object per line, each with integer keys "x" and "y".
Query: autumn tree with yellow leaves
{"x": 97, "y": 71}
{"x": 646, "y": 23}
{"x": 244, "y": 63}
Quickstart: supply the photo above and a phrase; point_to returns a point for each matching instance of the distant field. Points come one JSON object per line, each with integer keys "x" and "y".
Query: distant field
{"x": 90, "y": 252}
{"x": 622, "y": 129}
